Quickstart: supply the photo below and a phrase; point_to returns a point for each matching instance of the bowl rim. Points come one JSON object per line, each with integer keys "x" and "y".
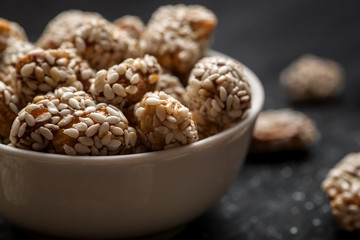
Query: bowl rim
{"x": 257, "y": 102}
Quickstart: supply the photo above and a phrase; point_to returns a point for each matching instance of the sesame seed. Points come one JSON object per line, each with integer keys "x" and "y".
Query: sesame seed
{"x": 104, "y": 128}
{"x": 223, "y": 70}
{"x": 126, "y": 136}
{"x": 50, "y": 81}
{"x": 74, "y": 103}
{"x": 38, "y": 146}
{"x": 152, "y": 101}
{"x": 97, "y": 142}
{"x": 62, "y": 61}
{"x": 65, "y": 121}
{"x": 105, "y": 140}
{"x": 55, "y": 119}
{"x": 43, "y": 117}
{"x": 50, "y": 58}
{"x": 108, "y": 92}
{"x": 98, "y": 117}
{"x": 7, "y": 97}
{"x": 92, "y": 130}
{"x": 245, "y": 98}
{"x": 236, "y": 102}
{"x": 161, "y": 113}
{"x": 170, "y": 125}
{"x": 171, "y": 119}
{"x": 116, "y": 130}
{"x": 80, "y": 44}
{"x": 229, "y": 101}
{"x": 114, "y": 143}
{"x": 128, "y": 73}
{"x": 90, "y": 109}
{"x": 79, "y": 113}
{"x": 52, "y": 126}
{"x": 140, "y": 112}
{"x": 135, "y": 79}
{"x": 69, "y": 150}
{"x": 82, "y": 149}
{"x": 46, "y": 133}
{"x": 132, "y": 89}
{"x": 27, "y": 69}
{"x": 133, "y": 138}
{"x": 89, "y": 102}
{"x": 62, "y": 106}
{"x": 162, "y": 130}
{"x": 80, "y": 126}
{"x": 169, "y": 137}
{"x": 113, "y": 119}
{"x": 94, "y": 151}
{"x": 223, "y": 93}
{"x": 215, "y": 105}
{"x": 36, "y": 137}
{"x": 13, "y": 108}
{"x": 15, "y": 127}
{"x": 208, "y": 85}
{"x": 121, "y": 69}
{"x": 119, "y": 90}
{"x": 87, "y": 121}
{"x": 67, "y": 95}
{"x": 52, "y": 108}
{"x": 22, "y": 129}
{"x": 65, "y": 112}
{"x": 72, "y": 132}
{"x": 86, "y": 141}
{"x": 112, "y": 78}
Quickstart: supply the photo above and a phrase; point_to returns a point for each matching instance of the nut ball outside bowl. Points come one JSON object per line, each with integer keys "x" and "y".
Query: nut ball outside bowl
{"x": 127, "y": 195}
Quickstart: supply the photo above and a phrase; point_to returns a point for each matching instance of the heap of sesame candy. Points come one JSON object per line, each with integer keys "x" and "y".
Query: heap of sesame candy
{"x": 342, "y": 185}
{"x": 170, "y": 84}
{"x": 312, "y": 78}
{"x": 283, "y": 129}
{"x": 9, "y": 32}
{"x": 96, "y": 40}
{"x": 57, "y": 93}
{"x": 71, "y": 122}
{"x": 125, "y": 84}
{"x": 178, "y": 36}
{"x": 164, "y": 122}
{"x": 218, "y": 92}
{"x": 41, "y": 71}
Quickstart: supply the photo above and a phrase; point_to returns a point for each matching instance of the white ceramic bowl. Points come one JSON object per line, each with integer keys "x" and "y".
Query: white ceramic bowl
{"x": 122, "y": 196}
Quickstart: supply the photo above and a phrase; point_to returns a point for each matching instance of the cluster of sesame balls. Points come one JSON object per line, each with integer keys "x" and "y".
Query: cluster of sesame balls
{"x": 93, "y": 87}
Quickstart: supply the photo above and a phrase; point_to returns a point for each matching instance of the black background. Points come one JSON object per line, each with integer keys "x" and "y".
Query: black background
{"x": 275, "y": 196}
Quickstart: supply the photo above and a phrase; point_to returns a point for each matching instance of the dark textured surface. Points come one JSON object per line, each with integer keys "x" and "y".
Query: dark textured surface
{"x": 275, "y": 196}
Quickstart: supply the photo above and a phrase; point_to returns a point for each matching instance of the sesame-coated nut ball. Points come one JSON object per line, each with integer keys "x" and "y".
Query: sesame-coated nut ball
{"x": 218, "y": 90}
{"x": 125, "y": 84}
{"x": 131, "y": 24}
{"x": 61, "y": 28}
{"x": 163, "y": 122}
{"x": 312, "y": 78}
{"x": 15, "y": 50}
{"x": 10, "y": 31}
{"x": 42, "y": 71}
{"x": 96, "y": 40}
{"x": 178, "y": 36}
{"x": 283, "y": 129}
{"x": 70, "y": 122}
{"x": 9, "y": 105}
{"x": 342, "y": 185}
{"x": 170, "y": 84}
